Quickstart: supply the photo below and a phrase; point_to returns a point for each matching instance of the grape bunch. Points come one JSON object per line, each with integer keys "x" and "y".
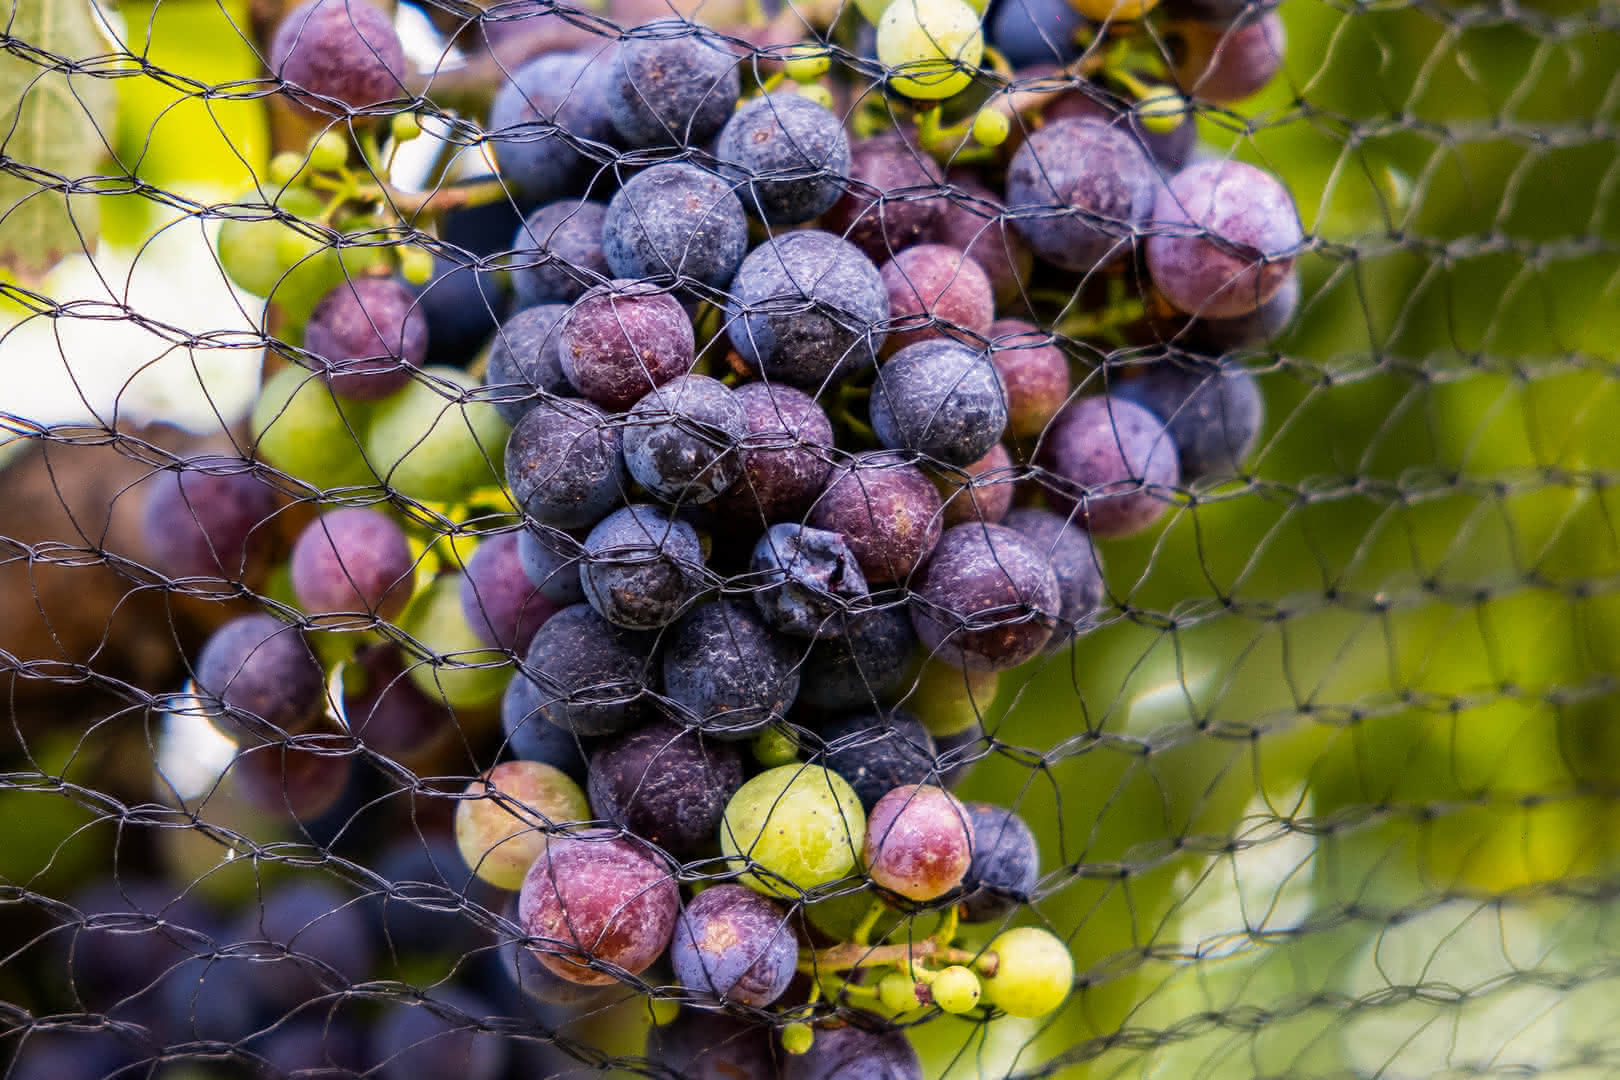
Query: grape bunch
{"x": 724, "y": 449}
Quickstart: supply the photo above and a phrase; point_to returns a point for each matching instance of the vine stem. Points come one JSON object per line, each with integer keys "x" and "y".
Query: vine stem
{"x": 436, "y": 200}
{"x": 850, "y": 956}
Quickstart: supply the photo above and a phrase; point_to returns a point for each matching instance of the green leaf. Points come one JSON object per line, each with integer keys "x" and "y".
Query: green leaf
{"x": 51, "y": 119}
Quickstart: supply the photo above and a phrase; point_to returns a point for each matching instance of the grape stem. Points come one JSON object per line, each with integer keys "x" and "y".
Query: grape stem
{"x": 1084, "y": 324}
{"x": 863, "y": 929}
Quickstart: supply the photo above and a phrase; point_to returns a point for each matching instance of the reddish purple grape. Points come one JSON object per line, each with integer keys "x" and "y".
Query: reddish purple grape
{"x": 1112, "y": 458}
{"x": 893, "y": 199}
{"x": 681, "y": 440}
{"x": 1226, "y": 234}
{"x": 735, "y": 944}
{"x": 1006, "y": 864}
{"x": 987, "y": 599}
{"x": 1169, "y": 149}
{"x": 887, "y": 510}
{"x": 365, "y": 338}
{"x": 863, "y": 1049}
{"x": 344, "y": 50}
{"x": 210, "y": 517}
{"x": 941, "y": 399}
{"x": 1034, "y": 375}
{"x": 666, "y": 783}
{"x": 501, "y": 604}
{"x": 919, "y": 842}
{"x": 353, "y": 559}
{"x": 1079, "y": 191}
{"x": 592, "y": 677}
{"x": 727, "y": 673}
{"x": 297, "y": 780}
{"x": 1226, "y": 63}
{"x": 984, "y": 494}
{"x": 388, "y": 712}
{"x": 595, "y": 899}
{"x": 936, "y": 291}
{"x": 786, "y": 458}
{"x": 622, "y": 339}
{"x": 557, "y": 253}
{"x": 877, "y": 753}
{"x": 565, "y": 464}
{"x": 261, "y": 672}
{"x": 1074, "y": 560}
{"x": 1214, "y": 413}
{"x": 973, "y": 221}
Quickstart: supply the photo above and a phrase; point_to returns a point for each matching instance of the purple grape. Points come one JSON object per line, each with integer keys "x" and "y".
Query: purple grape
{"x": 557, "y": 253}
{"x": 430, "y": 893}
{"x": 699, "y": 1045}
{"x": 342, "y": 50}
{"x": 935, "y": 291}
{"x": 892, "y": 200}
{"x": 261, "y": 673}
{"x": 1074, "y": 560}
{"x": 1036, "y": 31}
{"x": 806, "y": 579}
{"x": 919, "y": 842}
{"x": 126, "y": 933}
{"x": 1108, "y": 456}
{"x": 1171, "y": 149}
{"x": 987, "y": 599}
{"x": 676, "y": 222}
{"x": 501, "y": 604}
{"x": 642, "y": 567}
{"x": 865, "y": 664}
{"x": 209, "y": 517}
{"x": 973, "y": 221}
{"x": 868, "y": 1052}
{"x": 592, "y": 676}
{"x": 365, "y": 338}
{"x": 437, "y": 1037}
{"x": 787, "y": 456}
{"x": 551, "y": 559}
{"x": 45, "y": 1053}
{"x": 667, "y": 784}
{"x": 596, "y": 898}
{"x": 792, "y": 154}
{"x": 565, "y": 464}
{"x": 681, "y": 440}
{"x": 941, "y": 399}
{"x": 353, "y": 559}
{"x": 1034, "y": 374}
{"x": 298, "y": 781}
{"x": 1227, "y": 62}
{"x": 530, "y": 737}
{"x": 1214, "y": 413}
{"x": 546, "y": 100}
{"x": 674, "y": 84}
{"x": 887, "y": 511}
{"x": 1079, "y": 191}
{"x": 1006, "y": 864}
{"x": 726, "y": 673}
{"x": 877, "y": 753}
{"x": 804, "y": 309}
{"x": 309, "y": 939}
{"x": 1262, "y": 326}
{"x": 623, "y": 339}
{"x": 523, "y": 361}
{"x": 314, "y": 1048}
{"x": 1226, "y": 238}
{"x": 389, "y": 714}
{"x": 735, "y": 944}
{"x": 984, "y": 494}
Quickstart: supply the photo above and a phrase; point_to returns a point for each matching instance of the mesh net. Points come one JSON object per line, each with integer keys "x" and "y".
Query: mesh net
{"x": 1294, "y": 654}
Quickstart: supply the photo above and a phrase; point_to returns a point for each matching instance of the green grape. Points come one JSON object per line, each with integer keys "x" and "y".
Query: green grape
{"x": 773, "y": 748}
{"x": 499, "y": 838}
{"x": 415, "y": 265}
{"x": 797, "y": 1038}
{"x": 807, "y": 63}
{"x": 819, "y": 94}
{"x": 898, "y": 993}
{"x": 329, "y": 151}
{"x": 931, "y": 46}
{"x": 1163, "y": 112}
{"x": 1034, "y": 972}
{"x": 250, "y": 249}
{"x": 872, "y": 10}
{"x": 948, "y": 700}
{"x": 802, "y": 824}
{"x": 956, "y": 989}
{"x": 306, "y": 432}
{"x": 434, "y": 448}
{"x": 405, "y": 127}
{"x": 435, "y": 619}
{"x": 284, "y": 168}
{"x": 991, "y": 127}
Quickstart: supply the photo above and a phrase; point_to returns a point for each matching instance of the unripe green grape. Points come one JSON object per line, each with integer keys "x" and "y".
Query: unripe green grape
{"x": 405, "y": 127}
{"x": 991, "y": 127}
{"x": 284, "y": 168}
{"x": 500, "y": 837}
{"x": 302, "y": 429}
{"x": 797, "y": 1038}
{"x": 802, "y": 825}
{"x": 1034, "y": 972}
{"x": 931, "y": 46}
{"x": 436, "y": 620}
{"x": 818, "y": 94}
{"x": 806, "y": 63}
{"x": 415, "y": 265}
{"x": 435, "y": 448}
{"x": 329, "y": 151}
{"x": 773, "y": 748}
{"x": 250, "y": 248}
{"x": 872, "y": 10}
{"x": 949, "y": 700}
{"x": 956, "y": 989}
{"x": 897, "y": 992}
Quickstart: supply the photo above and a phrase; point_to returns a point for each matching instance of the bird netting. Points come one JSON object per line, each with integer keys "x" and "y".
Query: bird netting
{"x": 781, "y": 538}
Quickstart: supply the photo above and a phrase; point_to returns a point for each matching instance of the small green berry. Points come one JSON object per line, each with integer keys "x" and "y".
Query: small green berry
{"x": 807, "y": 63}
{"x": 405, "y": 127}
{"x": 898, "y": 992}
{"x": 818, "y": 94}
{"x": 991, "y": 127}
{"x": 773, "y": 748}
{"x": 797, "y": 1038}
{"x": 1034, "y": 972}
{"x": 285, "y": 167}
{"x": 329, "y": 151}
{"x": 956, "y": 989}
{"x": 294, "y": 247}
{"x": 415, "y": 265}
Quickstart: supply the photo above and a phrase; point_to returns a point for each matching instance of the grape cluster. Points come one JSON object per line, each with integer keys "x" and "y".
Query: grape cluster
{"x": 734, "y": 479}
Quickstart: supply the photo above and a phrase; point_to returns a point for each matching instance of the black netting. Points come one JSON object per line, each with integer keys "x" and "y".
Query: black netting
{"x": 809, "y": 540}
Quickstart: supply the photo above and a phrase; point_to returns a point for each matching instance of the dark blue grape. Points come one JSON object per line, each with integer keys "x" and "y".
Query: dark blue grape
{"x": 530, "y": 737}
{"x": 61, "y": 1053}
{"x": 727, "y": 673}
{"x": 681, "y": 441}
{"x": 787, "y": 458}
{"x": 422, "y": 910}
{"x": 642, "y": 567}
{"x": 259, "y": 672}
{"x": 699, "y": 1045}
{"x": 1074, "y": 560}
{"x": 987, "y": 599}
{"x": 338, "y": 55}
{"x": 557, "y": 253}
{"x": 314, "y": 1048}
{"x": 1079, "y": 191}
{"x": 523, "y": 360}
{"x": 792, "y": 154}
{"x": 132, "y": 931}
{"x": 1006, "y": 864}
{"x": 735, "y": 944}
{"x": 212, "y": 998}
{"x": 877, "y": 752}
{"x": 550, "y": 98}
{"x": 864, "y": 664}
{"x": 803, "y": 309}
{"x": 941, "y": 399}
{"x": 805, "y": 578}
{"x": 666, "y": 783}
{"x": 676, "y": 222}
{"x": 867, "y": 1052}
{"x": 309, "y": 938}
{"x": 1031, "y": 32}
{"x": 1170, "y": 149}
{"x": 437, "y": 1037}
{"x": 565, "y": 464}
{"x": 592, "y": 677}
{"x": 960, "y": 754}
{"x": 463, "y": 305}
{"x": 1213, "y": 412}
{"x": 551, "y": 558}
{"x": 673, "y": 84}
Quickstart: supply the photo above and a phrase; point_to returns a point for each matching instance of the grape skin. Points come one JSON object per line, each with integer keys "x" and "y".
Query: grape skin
{"x": 919, "y": 842}
{"x": 302, "y": 928}
{"x": 459, "y": 669}
{"x": 523, "y": 360}
{"x": 1171, "y": 150}
{"x": 390, "y": 715}
{"x": 565, "y": 464}
{"x": 796, "y": 827}
{"x": 261, "y": 671}
{"x": 887, "y": 511}
{"x": 1225, "y": 240}
{"x": 417, "y": 1040}
{"x": 550, "y": 559}
{"x": 931, "y": 45}
{"x": 502, "y": 818}
{"x": 429, "y": 443}
{"x": 701, "y": 1045}
{"x": 1036, "y": 31}
{"x": 987, "y": 599}
{"x": 365, "y": 337}
{"x": 790, "y": 152}
{"x": 1034, "y": 974}
{"x": 877, "y": 753}
{"x": 1107, "y": 455}
{"x": 973, "y": 221}
{"x": 530, "y": 737}
{"x": 1074, "y": 560}
{"x": 466, "y": 299}
{"x": 1034, "y": 375}
{"x": 891, "y": 201}
{"x": 1214, "y": 413}
{"x": 317, "y": 1048}
{"x": 672, "y": 84}
{"x": 501, "y": 604}
{"x": 300, "y": 427}
{"x": 209, "y": 518}
{"x": 786, "y": 457}
{"x": 676, "y": 222}
{"x": 299, "y": 780}
{"x": 592, "y": 676}
{"x": 1078, "y": 192}
{"x": 623, "y": 339}
{"x": 681, "y": 440}
{"x": 346, "y": 50}
{"x": 727, "y": 674}
{"x": 554, "y": 93}
{"x": 642, "y": 567}
{"x": 940, "y": 399}
{"x": 557, "y": 253}
{"x": 865, "y": 662}
{"x": 870, "y": 1051}
{"x": 735, "y": 944}
{"x": 1006, "y": 864}
{"x": 667, "y": 784}
{"x": 597, "y": 898}
{"x": 985, "y": 494}
{"x": 806, "y": 578}
{"x": 938, "y": 290}
{"x": 353, "y": 559}
{"x": 1225, "y": 63}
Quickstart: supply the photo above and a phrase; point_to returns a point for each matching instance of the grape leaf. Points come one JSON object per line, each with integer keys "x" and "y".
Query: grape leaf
{"x": 50, "y": 131}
